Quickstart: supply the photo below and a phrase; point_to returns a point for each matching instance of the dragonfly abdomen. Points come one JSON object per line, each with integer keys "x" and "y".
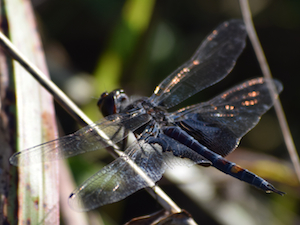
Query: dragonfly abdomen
{"x": 244, "y": 175}
{"x": 219, "y": 162}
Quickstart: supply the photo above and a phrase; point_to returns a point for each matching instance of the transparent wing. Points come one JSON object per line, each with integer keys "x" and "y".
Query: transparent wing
{"x": 213, "y": 60}
{"x": 118, "y": 180}
{"x": 84, "y": 140}
{"x": 220, "y": 123}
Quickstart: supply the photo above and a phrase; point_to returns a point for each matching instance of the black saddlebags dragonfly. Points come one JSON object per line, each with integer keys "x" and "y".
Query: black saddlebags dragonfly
{"x": 203, "y": 133}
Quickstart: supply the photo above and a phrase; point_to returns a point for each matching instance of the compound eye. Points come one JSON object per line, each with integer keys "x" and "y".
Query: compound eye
{"x": 103, "y": 95}
{"x": 106, "y": 104}
{"x": 100, "y": 100}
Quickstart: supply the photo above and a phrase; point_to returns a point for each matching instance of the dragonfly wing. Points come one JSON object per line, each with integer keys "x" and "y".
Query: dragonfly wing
{"x": 220, "y": 123}
{"x": 84, "y": 140}
{"x": 118, "y": 180}
{"x": 213, "y": 60}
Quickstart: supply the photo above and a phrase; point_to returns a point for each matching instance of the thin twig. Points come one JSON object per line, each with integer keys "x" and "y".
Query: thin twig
{"x": 245, "y": 8}
{"x": 79, "y": 116}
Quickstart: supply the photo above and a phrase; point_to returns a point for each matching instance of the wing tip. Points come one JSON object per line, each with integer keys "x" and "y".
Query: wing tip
{"x": 76, "y": 204}
{"x": 279, "y": 85}
{"x": 236, "y": 23}
{"x": 14, "y": 159}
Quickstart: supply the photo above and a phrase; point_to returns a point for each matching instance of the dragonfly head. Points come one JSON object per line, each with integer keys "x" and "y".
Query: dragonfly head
{"x": 111, "y": 103}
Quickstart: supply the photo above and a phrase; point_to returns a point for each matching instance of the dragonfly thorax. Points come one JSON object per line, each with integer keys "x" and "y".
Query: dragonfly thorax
{"x": 157, "y": 113}
{"x": 117, "y": 101}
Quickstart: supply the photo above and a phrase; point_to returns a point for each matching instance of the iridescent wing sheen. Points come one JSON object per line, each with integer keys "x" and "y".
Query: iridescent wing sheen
{"x": 84, "y": 140}
{"x": 213, "y": 60}
{"x": 220, "y": 123}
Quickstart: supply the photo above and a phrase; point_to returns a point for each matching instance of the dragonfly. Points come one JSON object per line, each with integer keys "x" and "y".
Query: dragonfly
{"x": 201, "y": 134}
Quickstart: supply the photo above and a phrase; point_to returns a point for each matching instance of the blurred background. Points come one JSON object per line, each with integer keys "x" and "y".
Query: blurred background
{"x": 94, "y": 46}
